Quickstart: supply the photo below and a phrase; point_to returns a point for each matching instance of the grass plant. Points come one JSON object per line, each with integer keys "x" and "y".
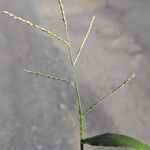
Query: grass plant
{"x": 107, "y": 139}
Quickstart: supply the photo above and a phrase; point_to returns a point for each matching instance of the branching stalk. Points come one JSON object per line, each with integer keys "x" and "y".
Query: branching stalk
{"x": 27, "y": 22}
{"x": 108, "y": 95}
{"x": 80, "y": 109}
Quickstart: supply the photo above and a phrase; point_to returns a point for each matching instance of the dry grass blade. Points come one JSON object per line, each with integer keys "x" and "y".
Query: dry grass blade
{"x": 84, "y": 41}
{"x": 40, "y": 74}
{"x": 27, "y": 22}
{"x": 108, "y": 94}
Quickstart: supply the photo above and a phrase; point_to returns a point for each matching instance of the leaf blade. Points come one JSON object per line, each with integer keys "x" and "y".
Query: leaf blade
{"x": 116, "y": 140}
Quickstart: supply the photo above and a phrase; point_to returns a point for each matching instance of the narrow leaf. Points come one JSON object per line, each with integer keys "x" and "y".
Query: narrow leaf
{"x": 27, "y": 22}
{"x": 39, "y": 74}
{"x": 116, "y": 140}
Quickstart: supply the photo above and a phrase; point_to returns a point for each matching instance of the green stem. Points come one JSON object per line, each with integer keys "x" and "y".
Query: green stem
{"x": 80, "y": 108}
{"x": 75, "y": 80}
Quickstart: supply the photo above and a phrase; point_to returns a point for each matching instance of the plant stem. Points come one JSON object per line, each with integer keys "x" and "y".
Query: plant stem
{"x": 80, "y": 109}
{"x": 81, "y": 146}
{"x": 75, "y": 80}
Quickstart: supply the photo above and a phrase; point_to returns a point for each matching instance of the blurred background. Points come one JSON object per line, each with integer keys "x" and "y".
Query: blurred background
{"x": 39, "y": 114}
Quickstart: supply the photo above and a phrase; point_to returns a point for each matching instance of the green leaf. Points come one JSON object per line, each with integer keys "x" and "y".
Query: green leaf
{"x": 116, "y": 140}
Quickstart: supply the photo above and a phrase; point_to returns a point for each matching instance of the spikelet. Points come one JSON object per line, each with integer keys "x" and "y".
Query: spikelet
{"x": 109, "y": 94}
{"x": 40, "y": 74}
{"x": 84, "y": 41}
{"x": 27, "y": 22}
